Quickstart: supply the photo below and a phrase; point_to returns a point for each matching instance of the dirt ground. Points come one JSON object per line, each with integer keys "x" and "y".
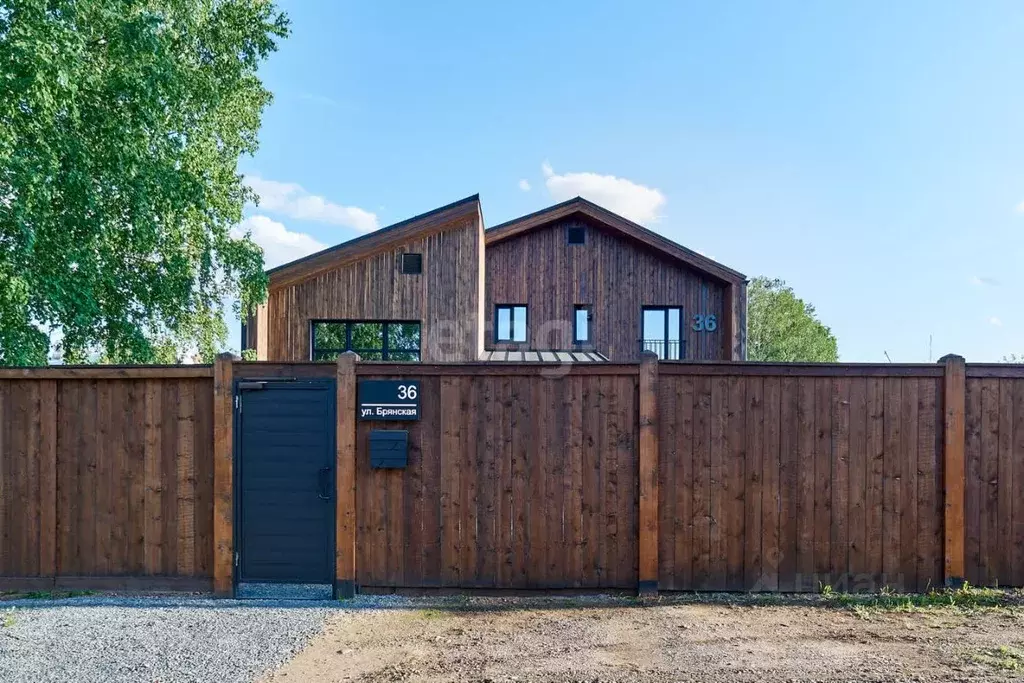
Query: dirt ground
{"x": 588, "y": 639}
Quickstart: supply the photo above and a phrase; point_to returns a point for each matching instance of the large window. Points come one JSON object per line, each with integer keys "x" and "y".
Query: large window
{"x": 510, "y": 323}
{"x": 385, "y": 340}
{"x": 662, "y": 332}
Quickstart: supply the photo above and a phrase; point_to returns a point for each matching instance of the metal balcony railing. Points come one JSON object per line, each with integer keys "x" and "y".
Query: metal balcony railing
{"x": 666, "y": 350}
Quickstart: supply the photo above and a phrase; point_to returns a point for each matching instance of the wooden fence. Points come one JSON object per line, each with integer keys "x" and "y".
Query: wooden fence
{"x": 994, "y": 469}
{"x": 106, "y": 474}
{"x": 782, "y": 482}
{"x": 514, "y": 480}
{"x": 658, "y": 476}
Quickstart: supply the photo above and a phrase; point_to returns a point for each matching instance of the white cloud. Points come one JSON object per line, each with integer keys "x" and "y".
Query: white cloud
{"x": 280, "y": 245}
{"x": 624, "y": 197}
{"x": 995, "y": 321}
{"x": 982, "y": 281}
{"x": 1020, "y": 208}
{"x": 524, "y": 185}
{"x": 293, "y": 201}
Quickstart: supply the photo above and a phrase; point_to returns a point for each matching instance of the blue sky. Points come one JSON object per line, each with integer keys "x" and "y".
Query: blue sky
{"x": 871, "y": 154}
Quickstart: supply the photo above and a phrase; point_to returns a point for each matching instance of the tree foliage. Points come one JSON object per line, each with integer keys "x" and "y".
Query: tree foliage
{"x": 121, "y": 125}
{"x": 784, "y": 328}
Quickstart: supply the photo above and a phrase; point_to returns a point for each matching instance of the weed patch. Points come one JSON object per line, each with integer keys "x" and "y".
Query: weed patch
{"x": 966, "y": 598}
{"x": 55, "y": 595}
{"x": 1003, "y": 657}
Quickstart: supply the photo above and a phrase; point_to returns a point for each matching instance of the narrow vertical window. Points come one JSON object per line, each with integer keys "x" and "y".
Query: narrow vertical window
{"x": 581, "y": 324}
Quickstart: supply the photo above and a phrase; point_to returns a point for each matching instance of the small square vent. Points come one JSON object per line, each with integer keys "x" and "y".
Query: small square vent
{"x": 577, "y": 234}
{"x": 412, "y": 264}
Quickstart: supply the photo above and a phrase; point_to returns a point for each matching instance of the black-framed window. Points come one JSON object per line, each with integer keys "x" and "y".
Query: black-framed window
{"x": 661, "y": 331}
{"x": 576, "y": 234}
{"x": 412, "y": 264}
{"x": 582, "y": 315}
{"x": 510, "y": 323}
{"x": 390, "y": 340}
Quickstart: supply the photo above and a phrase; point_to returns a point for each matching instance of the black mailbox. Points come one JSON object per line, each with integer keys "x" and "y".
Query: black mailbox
{"x": 389, "y": 448}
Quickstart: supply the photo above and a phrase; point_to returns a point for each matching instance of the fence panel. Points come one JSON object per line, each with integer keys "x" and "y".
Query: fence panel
{"x": 514, "y": 481}
{"x": 778, "y": 482}
{"x": 994, "y": 466}
{"x": 106, "y": 476}
{"x": 27, "y": 478}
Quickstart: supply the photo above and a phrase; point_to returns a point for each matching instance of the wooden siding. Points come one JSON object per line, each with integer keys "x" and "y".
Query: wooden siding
{"x": 514, "y": 481}
{"x": 106, "y": 477}
{"x": 792, "y": 482}
{"x": 994, "y": 463}
{"x": 615, "y": 275}
{"x": 444, "y": 298}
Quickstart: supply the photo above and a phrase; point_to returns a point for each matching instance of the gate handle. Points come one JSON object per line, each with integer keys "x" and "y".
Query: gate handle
{"x": 325, "y": 483}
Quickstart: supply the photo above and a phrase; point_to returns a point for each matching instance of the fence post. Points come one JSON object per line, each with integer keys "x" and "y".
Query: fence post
{"x": 223, "y": 484}
{"x": 648, "y": 475}
{"x": 345, "y": 512}
{"x": 954, "y": 403}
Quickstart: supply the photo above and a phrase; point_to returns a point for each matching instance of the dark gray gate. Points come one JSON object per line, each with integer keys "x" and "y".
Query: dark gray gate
{"x": 285, "y": 473}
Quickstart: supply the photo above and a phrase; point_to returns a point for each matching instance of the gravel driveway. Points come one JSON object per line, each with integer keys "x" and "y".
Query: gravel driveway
{"x": 152, "y": 639}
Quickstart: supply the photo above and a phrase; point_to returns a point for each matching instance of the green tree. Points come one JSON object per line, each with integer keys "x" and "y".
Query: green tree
{"x": 121, "y": 125}
{"x": 784, "y": 328}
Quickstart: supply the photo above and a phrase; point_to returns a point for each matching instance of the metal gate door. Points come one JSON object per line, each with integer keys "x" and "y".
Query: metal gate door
{"x": 285, "y": 496}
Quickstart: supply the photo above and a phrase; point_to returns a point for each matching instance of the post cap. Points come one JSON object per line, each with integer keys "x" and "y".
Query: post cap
{"x": 348, "y": 357}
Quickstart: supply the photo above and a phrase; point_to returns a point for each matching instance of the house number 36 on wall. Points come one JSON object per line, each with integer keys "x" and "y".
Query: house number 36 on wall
{"x": 704, "y": 323}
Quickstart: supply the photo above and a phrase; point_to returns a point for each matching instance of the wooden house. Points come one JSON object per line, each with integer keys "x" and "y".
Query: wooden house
{"x": 571, "y": 282}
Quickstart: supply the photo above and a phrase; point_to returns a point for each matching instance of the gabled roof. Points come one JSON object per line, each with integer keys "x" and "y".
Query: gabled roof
{"x": 616, "y": 223}
{"x": 374, "y": 242}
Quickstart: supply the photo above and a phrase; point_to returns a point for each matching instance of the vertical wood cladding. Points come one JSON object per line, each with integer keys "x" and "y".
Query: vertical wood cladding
{"x": 771, "y": 477}
{"x": 513, "y": 481}
{"x": 106, "y": 477}
{"x": 444, "y": 298}
{"x": 793, "y": 482}
{"x": 614, "y": 274}
{"x": 994, "y": 455}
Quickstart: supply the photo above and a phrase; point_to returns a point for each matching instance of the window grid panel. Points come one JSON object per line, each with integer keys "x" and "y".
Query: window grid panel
{"x": 378, "y": 333}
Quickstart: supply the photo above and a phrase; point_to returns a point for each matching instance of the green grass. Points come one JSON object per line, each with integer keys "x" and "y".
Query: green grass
{"x": 966, "y": 598}
{"x": 54, "y": 595}
{"x": 1003, "y": 657}
{"x": 8, "y": 619}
